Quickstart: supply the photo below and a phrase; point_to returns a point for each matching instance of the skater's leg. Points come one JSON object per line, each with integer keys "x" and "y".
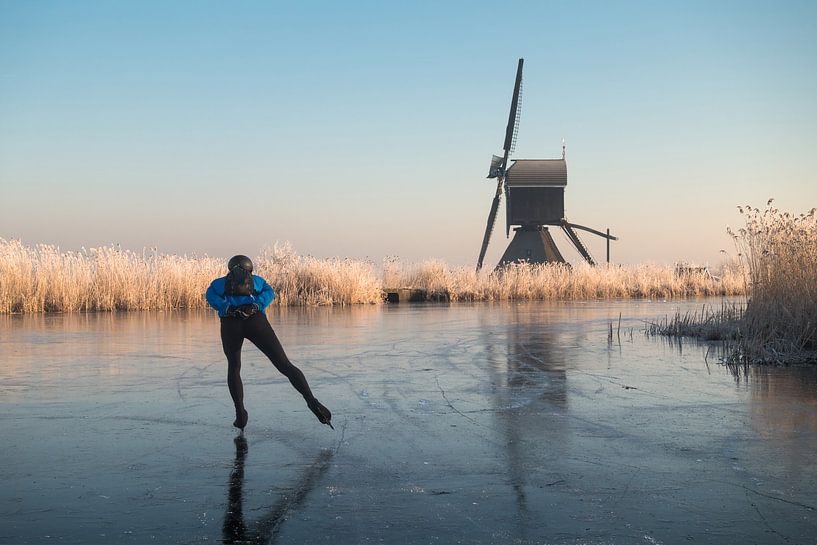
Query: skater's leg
{"x": 232, "y": 338}
{"x": 260, "y": 333}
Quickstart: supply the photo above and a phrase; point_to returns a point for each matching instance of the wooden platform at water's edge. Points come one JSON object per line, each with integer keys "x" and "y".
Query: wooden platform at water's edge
{"x": 414, "y": 295}
{"x": 404, "y": 295}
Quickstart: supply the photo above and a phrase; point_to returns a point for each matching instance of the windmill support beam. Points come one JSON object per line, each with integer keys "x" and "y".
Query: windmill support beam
{"x": 607, "y": 235}
{"x": 574, "y": 238}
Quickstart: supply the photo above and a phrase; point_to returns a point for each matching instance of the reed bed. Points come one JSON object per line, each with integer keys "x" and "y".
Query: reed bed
{"x": 42, "y": 278}
{"x": 710, "y": 324}
{"x": 305, "y": 280}
{"x": 780, "y": 252}
{"x": 778, "y": 255}
{"x": 524, "y": 281}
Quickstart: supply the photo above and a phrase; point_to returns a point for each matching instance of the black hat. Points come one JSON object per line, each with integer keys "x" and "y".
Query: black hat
{"x": 240, "y": 261}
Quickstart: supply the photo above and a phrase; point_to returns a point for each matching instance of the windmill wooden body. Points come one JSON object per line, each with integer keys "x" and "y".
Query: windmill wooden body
{"x": 534, "y": 190}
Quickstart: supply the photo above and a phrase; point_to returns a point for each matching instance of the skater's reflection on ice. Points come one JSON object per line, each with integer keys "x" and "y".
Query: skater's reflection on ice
{"x": 235, "y": 531}
{"x": 266, "y": 528}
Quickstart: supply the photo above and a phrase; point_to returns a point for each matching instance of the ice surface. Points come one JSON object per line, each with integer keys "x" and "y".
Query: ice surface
{"x": 485, "y": 423}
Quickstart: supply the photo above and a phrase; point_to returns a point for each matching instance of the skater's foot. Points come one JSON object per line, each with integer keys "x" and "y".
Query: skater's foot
{"x": 324, "y": 415}
{"x": 241, "y": 417}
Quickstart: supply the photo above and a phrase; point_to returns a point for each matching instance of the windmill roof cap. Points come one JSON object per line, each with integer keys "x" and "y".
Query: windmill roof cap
{"x": 537, "y": 173}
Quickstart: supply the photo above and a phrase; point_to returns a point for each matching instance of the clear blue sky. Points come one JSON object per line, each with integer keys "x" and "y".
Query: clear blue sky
{"x": 365, "y": 129}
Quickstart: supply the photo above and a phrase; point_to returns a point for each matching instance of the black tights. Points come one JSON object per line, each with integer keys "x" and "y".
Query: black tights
{"x": 258, "y": 330}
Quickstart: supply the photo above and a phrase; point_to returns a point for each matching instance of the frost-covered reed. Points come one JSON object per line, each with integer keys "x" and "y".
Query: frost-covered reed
{"x": 780, "y": 253}
{"x": 306, "y": 280}
{"x": 43, "y": 278}
{"x": 559, "y": 281}
{"x": 778, "y": 324}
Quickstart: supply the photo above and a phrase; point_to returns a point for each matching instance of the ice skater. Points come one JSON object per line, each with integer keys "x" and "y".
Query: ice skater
{"x": 240, "y": 298}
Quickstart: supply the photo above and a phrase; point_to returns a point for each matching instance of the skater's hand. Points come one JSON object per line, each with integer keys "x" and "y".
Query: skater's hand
{"x": 245, "y": 311}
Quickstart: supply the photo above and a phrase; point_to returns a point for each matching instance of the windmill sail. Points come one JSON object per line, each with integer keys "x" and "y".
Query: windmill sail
{"x": 512, "y": 128}
{"x": 489, "y": 226}
{"x": 498, "y": 165}
{"x": 495, "y": 170}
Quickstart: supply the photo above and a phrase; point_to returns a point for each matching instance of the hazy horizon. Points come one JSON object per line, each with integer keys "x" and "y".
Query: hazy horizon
{"x": 366, "y": 130}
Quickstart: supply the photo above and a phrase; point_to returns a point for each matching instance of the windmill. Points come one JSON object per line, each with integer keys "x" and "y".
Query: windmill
{"x": 534, "y": 190}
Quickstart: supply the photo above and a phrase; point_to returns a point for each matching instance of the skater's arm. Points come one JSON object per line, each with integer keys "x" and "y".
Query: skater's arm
{"x": 265, "y": 293}
{"x": 215, "y": 297}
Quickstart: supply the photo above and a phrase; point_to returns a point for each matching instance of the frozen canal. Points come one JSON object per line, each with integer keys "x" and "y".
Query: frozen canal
{"x": 501, "y": 424}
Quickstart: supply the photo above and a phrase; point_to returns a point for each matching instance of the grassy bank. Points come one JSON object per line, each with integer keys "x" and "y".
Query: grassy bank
{"x": 778, "y": 324}
{"x": 43, "y": 278}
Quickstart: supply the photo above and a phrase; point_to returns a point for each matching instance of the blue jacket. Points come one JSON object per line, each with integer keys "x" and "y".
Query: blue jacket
{"x": 216, "y": 298}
